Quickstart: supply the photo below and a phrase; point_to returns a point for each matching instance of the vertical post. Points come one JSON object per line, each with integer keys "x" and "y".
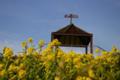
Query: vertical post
{"x": 86, "y": 49}
{"x": 52, "y": 36}
{"x": 71, "y": 20}
{"x": 91, "y": 45}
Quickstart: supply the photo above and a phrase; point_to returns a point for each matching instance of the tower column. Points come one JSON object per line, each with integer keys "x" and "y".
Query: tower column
{"x": 91, "y": 45}
{"x": 86, "y": 49}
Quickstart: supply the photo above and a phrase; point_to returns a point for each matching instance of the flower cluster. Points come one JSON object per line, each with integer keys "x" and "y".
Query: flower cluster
{"x": 52, "y": 63}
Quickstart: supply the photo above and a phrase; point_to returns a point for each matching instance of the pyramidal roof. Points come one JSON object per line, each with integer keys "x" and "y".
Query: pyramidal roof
{"x": 72, "y": 29}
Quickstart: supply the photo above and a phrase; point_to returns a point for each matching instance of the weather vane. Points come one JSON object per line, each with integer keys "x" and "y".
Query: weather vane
{"x": 71, "y": 16}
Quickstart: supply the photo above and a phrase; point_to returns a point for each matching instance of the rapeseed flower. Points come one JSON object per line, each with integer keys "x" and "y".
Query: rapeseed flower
{"x": 76, "y": 60}
{"x": 30, "y": 40}
{"x": 91, "y": 73}
{"x": 2, "y": 73}
{"x": 50, "y": 57}
{"x": 79, "y": 78}
{"x": 97, "y": 50}
{"x": 61, "y": 64}
{"x": 41, "y": 43}
{"x": 30, "y": 50}
{"x": 24, "y": 44}
{"x": 1, "y": 66}
{"x": 22, "y": 66}
{"x": 21, "y": 74}
{"x": 8, "y": 53}
{"x": 54, "y": 63}
{"x": 12, "y": 68}
{"x": 57, "y": 78}
{"x": 88, "y": 78}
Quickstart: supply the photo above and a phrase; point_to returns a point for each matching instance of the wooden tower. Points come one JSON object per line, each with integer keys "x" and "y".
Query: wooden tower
{"x": 71, "y": 35}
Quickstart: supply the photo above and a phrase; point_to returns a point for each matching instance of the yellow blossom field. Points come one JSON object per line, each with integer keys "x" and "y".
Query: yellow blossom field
{"x": 52, "y": 63}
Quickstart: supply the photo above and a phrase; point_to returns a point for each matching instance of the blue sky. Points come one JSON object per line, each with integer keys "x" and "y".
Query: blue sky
{"x": 20, "y": 19}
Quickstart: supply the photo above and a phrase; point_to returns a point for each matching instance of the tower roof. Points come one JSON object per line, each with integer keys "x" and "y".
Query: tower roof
{"x": 71, "y": 29}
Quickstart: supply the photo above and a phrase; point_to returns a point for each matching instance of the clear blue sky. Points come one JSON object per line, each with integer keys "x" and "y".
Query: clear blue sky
{"x": 20, "y": 19}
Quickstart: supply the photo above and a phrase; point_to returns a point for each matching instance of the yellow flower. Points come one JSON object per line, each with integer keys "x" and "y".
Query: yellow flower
{"x": 35, "y": 53}
{"x": 67, "y": 58}
{"x": 55, "y": 42}
{"x": 83, "y": 78}
{"x": 1, "y": 66}
{"x": 21, "y": 73}
{"x": 24, "y": 56}
{"x": 60, "y": 53}
{"x": 78, "y": 78}
{"x": 30, "y": 50}
{"x": 91, "y": 73}
{"x": 13, "y": 68}
{"x": 24, "y": 44}
{"x": 104, "y": 53}
{"x": 30, "y": 40}
{"x": 50, "y": 57}
{"x": 61, "y": 64}
{"x": 22, "y": 66}
{"x": 8, "y": 53}
{"x": 72, "y": 54}
{"x": 78, "y": 65}
{"x": 57, "y": 78}
{"x": 41, "y": 43}
{"x": 17, "y": 61}
{"x": 46, "y": 51}
{"x": 76, "y": 60}
{"x": 89, "y": 56}
{"x": 114, "y": 49}
{"x": 2, "y": 73}
{"x": 97, "y": 50}
{"x": 88, "y": 78}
